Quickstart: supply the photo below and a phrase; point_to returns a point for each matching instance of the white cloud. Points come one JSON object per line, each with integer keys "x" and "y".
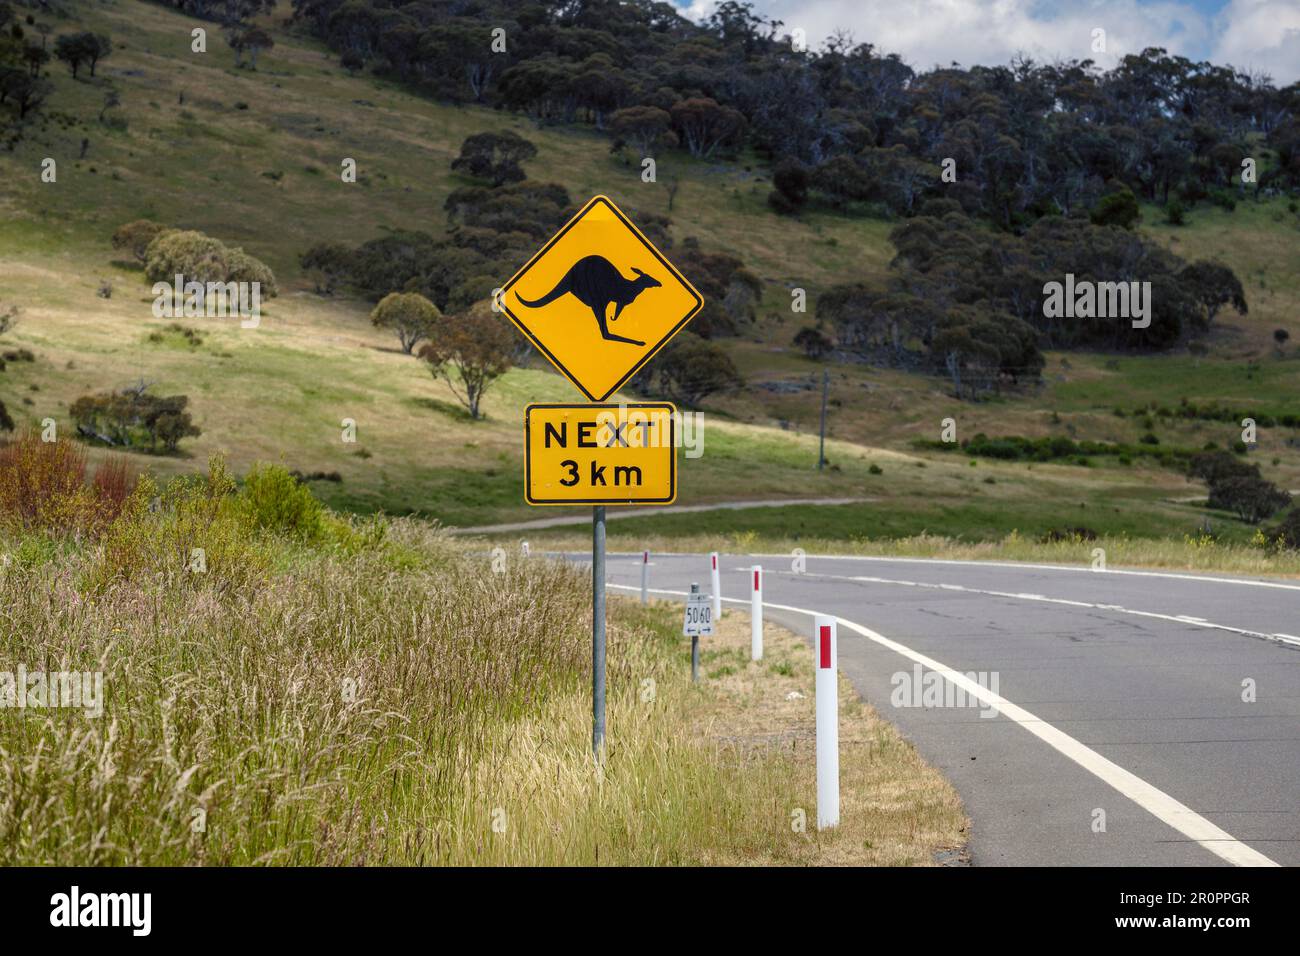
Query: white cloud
{"x": 1247, "y": 33}
{"x": 1260, "y": 35}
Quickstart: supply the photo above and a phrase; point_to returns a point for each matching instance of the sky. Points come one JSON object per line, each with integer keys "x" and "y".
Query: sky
{"x": 1251, "y": 35}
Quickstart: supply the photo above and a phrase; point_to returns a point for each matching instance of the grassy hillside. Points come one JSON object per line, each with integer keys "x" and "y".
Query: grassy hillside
{"x": 253, "y": 159}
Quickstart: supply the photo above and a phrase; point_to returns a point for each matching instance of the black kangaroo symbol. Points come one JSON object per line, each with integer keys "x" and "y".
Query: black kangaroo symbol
{"x": 595, "y": 282}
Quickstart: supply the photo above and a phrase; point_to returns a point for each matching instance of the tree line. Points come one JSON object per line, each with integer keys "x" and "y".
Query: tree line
{"x": 968, "y": 302}
{"x": 855, "y": 125}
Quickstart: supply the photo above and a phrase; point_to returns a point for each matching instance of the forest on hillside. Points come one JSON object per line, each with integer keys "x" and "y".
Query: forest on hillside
{"x": 1028, "y": 139}
{"x": 1001, "y": 179}
{"x": 1066, "y": 145}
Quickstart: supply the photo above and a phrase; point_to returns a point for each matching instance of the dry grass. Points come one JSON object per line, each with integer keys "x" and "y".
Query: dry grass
{"x": 379, "y": 695}
{"x": 895, "y": 809}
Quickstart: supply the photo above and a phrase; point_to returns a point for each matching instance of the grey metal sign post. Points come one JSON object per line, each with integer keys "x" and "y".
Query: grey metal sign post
{"x": 598, "y": 633}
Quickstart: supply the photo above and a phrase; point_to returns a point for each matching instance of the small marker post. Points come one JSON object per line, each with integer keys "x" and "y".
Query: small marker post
{"x": 717, "y": 588}
{"x": 756, "y": 616}
{"x": 695, "y": 646}
{"x": 645, "y": 577}
{"x": 826, "y": 660}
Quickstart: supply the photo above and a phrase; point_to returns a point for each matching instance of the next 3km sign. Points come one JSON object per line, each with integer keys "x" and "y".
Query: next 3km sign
{"x": 599, "y": 300}
{"x": 581, "y": 454}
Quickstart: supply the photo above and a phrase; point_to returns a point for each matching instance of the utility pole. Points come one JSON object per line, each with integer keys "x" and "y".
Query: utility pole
{"x": 821, "y": 448}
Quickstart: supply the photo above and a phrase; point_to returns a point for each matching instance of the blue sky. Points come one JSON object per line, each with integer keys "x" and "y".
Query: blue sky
{"x": 1253, "y": 35}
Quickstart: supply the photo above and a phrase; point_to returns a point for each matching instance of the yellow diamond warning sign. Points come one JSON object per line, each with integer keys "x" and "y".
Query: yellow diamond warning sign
{"x": 599, "y": 300}
{"x": 580, "y": 454}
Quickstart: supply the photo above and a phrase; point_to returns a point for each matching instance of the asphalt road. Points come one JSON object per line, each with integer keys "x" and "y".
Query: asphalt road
{"x": 1118, "y": 697}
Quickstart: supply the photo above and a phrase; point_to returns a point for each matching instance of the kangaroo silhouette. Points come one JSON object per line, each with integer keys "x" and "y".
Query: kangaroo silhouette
{"x": 596, "y": 282}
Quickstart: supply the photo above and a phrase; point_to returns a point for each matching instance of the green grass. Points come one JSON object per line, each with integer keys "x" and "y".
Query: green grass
{"x": 962, "y": 520}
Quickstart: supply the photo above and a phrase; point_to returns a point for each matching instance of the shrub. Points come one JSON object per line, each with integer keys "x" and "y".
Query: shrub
{"x": 1214, "y": 467}
{"x": 813, "y": 342}
{"x": 791, "y": 179}
{"x": 241, "y": 267}
{"x": 1117, "y": 209}
{"x": 274, "y": 500}
{"x": 200, "y": 258}
{"x": 114, "y": 483}
{"x": 328, "y": 264}
{"x": 43, "y": 488}
{"x": 494, "y": 156}
{"x": 135, "y": 237}
{"x": 1287, "y": 532}
{"x": 186, "y": 253}
{"x": 42, "y": 484}
{"x": 938, "y": 208}
{"x": 1251, "y": 498}
{"x": 159, "y": 536}
{"x": 1224, "y": 199}
{"x": 1077, "y": 534}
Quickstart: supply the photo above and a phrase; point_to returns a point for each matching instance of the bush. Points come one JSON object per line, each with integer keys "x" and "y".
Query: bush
{"x": 161, "y": 533}
{"x": 274, "y": 500}
{"x": 186, "y": 253}
{"x": 200, "y": 258}
{"x": 813, "y": 342}
{"x": 1223, "y": 199}
{"x": 1287, "y": 532}
{"x": 43, "y": 488}
{"x": 791, "y": 179}
{"x": 42, "y": 484}
{"x": 494, "y": 156}
{"x": 328, "y": 264}
{"x": 1057, "y": 447}
{"x": 241, "y": 267}
{"x": 1076, "y": 535}
{"x": 1117, "y": 209}
{"x": 781, "y": 204}
{"x": 939, "y": 207}
{"x": 1175, "y": 214}
{"x": 136, "y": 237}
{"x": 1214, "y": 467}
{"x": 1252, "y": 499}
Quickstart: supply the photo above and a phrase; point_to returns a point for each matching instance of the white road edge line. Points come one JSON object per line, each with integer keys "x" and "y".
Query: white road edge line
{"x": 1021, "y": 565}
{"x": 1119, "y": 609}
{"x": 1022, "y": 596}
{"x": 1155, "y": 801}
